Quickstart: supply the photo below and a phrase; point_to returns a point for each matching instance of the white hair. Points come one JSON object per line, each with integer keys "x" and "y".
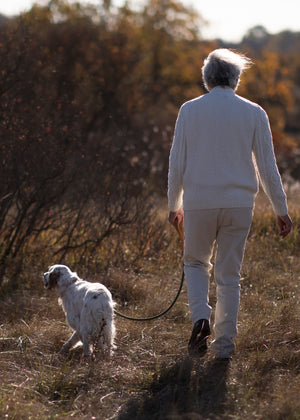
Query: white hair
{"x": 224, "y": 67}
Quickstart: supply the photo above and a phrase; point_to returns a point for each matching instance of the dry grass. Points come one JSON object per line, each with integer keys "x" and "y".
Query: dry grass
{"x": 150, "y": 376}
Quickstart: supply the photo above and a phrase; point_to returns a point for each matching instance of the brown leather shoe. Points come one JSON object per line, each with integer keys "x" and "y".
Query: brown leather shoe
{"x": 197, "y": 343}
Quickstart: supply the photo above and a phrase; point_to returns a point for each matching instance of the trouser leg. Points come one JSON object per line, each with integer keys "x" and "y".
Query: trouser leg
{"x": 231, "y": 238}
{"x": 200, "y": 232}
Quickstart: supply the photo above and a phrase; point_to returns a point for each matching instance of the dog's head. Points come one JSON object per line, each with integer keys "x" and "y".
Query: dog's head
{"x": 56, "y": 275}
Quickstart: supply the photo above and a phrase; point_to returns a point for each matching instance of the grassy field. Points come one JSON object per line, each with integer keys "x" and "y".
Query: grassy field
{"x": 150, "y": 375}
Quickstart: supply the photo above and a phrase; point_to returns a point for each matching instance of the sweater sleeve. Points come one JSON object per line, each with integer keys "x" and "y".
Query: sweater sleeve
{"x": 176, "y": 165}
{"x": 266, "y": 163}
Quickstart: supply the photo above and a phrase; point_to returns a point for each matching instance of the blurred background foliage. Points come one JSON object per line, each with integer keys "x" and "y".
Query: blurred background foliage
{"x": 89, "y": 97}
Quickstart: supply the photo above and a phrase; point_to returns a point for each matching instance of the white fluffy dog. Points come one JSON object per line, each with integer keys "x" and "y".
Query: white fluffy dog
{"x": 89, "y": 309}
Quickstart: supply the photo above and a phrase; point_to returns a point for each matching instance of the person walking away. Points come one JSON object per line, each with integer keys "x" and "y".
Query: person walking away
{"x": 222, "y": 143}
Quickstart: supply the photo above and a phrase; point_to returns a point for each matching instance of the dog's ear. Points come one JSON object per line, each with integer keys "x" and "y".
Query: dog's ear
{"x": 53, "y": 277}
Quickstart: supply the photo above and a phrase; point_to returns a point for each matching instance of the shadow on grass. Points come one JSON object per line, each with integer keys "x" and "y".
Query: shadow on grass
{"x": 189, "y": 390}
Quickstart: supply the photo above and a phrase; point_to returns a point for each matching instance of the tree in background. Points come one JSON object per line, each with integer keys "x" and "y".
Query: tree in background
{"x": 88, "y": 99}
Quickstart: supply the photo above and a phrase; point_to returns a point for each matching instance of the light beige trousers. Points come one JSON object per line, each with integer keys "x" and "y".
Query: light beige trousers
{"x": 229, "y": 228}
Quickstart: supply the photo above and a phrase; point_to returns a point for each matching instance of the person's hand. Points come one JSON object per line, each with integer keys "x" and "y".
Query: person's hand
{"x": 176, "y": 219}
{"x": 285, "y": 225}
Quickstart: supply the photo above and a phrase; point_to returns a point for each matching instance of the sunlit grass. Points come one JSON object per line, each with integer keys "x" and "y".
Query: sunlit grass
{"x": 150, "y": 375}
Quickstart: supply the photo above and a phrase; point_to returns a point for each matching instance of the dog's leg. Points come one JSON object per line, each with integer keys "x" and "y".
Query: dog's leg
{"x": 70, "y": 343}
{"x": 108, "y": 336}
{"x": 104, "y": 338}
{"x": 86, "y": 345}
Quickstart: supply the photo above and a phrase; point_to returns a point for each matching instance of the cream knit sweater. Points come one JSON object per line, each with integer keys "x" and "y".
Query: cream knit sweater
{"x": 222, "y": 143}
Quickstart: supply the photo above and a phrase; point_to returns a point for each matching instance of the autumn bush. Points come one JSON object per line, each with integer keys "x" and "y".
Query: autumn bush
{"x": 87, "y": 103}
{"x": 88, "y": 99}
